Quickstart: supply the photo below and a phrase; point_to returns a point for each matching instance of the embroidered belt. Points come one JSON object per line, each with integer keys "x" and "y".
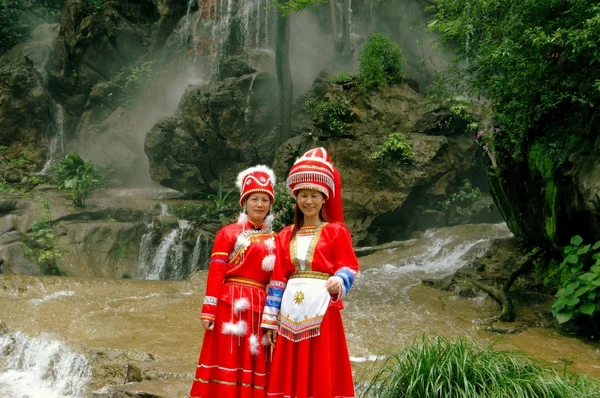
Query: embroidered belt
{"x": 310, "y": 274}
{"x": 245, "y": 282}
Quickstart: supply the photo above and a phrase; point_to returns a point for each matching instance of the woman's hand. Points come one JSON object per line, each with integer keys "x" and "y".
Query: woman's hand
{"x": 333, "y": 286}
{"x": 271, "y": 337}
{"x": 208, "y": 325}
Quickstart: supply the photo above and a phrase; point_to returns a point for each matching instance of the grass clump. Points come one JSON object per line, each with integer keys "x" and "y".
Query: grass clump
{"x": 437, "y": 367}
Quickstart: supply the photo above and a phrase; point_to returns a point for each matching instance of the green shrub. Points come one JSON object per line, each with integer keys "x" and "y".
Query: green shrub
{"x": 41, "y": 243}
{"x": 330, "y": 116}
{"x": 457, "y": 202}
{"x": 341, "y": 78}
{"x": 283, "y": 208}
{"x": 396, "y": 149}
{"x": 437, "y": 367}
{"x": 380, "y": 62}
{"x": 578, "y": 275}
{"x": 18, "y": 18}
{"x": 77, "y": 176}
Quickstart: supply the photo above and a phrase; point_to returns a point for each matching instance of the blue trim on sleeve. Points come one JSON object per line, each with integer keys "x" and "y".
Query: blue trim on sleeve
{"x": 347, "y": 277}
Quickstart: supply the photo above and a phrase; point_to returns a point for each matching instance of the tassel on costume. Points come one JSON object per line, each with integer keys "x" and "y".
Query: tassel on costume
{"x": 268, "y": 262}
{"x": 254, "y": 346}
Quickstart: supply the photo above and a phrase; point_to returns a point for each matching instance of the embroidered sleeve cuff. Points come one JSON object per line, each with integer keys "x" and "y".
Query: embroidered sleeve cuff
{"x": 207, "y": 317}
{"x": 211, "y": 300}
{"x": 347, "y": 277}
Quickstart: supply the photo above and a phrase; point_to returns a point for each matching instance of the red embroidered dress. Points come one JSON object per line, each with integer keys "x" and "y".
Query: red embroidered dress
{"x": 233, "y": 362}
{"x": 311, "y": 357}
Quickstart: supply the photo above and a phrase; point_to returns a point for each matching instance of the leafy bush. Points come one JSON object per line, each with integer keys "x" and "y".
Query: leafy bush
{"x": 437, "y": 367}
{"x": 537, "y": 61}
{"x": 331, "y": 115}
{"x": 283, "y": 208}
{"x": 77, "y": 176}
{"x": 380, "y": 62}
{"x": 41, "y": 243}
{"x": 341, "y": 78}
{"x": 19, "y": 17}
{"x": 395, "y": 149}
{"x": 458, "y": 201}
{"x": 579, "y": 276}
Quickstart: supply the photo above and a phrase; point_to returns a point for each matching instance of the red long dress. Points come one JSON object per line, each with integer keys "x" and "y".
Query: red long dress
{"x": 315, "y": 366}
{"x": 233, "y": 361}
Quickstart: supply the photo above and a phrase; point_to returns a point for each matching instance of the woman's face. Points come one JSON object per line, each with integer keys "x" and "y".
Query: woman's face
{"x": 310, "y": 202}
{"x": 257, "y": 207}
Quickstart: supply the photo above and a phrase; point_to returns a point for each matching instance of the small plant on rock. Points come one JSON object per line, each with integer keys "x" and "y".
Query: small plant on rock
{"x": 77, "y": 176}
{"x": 396, "y": 149}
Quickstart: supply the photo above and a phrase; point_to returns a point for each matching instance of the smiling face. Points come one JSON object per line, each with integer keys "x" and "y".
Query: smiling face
{"x": 257, "y": 207}
{"x": 310, "y": 202}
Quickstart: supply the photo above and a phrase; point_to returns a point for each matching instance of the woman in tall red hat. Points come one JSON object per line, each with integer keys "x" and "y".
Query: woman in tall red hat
{"x": 315, "y": 269}
{"x": 233, "y": 361}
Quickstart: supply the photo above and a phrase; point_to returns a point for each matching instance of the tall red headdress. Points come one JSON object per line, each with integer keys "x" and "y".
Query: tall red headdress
{"x": 314, "y": 170}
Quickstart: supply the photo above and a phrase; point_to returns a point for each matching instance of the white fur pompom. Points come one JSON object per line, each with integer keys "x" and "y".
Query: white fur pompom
{"x": 242, "y": 241}
{"x": 242, "y": 219}
{"x": 268, "y": 223}
{"x": 241, "y": 304}
{"x": 268, "y": 263}
{"x": 270, "y": 244}
{"x": 254, "y": 346}
{"x": 236, "y": 329}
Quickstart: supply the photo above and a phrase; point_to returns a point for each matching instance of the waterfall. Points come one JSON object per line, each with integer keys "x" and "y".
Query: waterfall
{"x": 40, "y": 368}
{"x": 56, "y": 147}
{"x": 167, "y": 261}
{"x": 250, "y": 92}
{"x": 165, "y": 210}
{"x": 196, "y": 253}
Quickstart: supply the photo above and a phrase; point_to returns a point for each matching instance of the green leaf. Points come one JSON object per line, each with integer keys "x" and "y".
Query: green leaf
{"x": 576, "y": 240}
{"x": 564, "y": 316}
{"x": 587, "y": 308}
{"x": 572, "y": 258}
{"x": 584, "y": 249}
{"x": 596, "y": 245}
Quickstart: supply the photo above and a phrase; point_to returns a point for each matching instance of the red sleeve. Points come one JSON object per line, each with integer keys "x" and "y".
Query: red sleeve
{"x": 224, "y": 243}
{"x": 342, "y": 252}
{"x": 284, "y": 267}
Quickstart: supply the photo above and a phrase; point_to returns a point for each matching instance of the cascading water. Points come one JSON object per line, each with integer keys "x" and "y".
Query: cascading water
{"x": 56, "y": 147}
{"x": 384, "y": 289}
{"x": 40, "y": 368}
{"x": 166, "y": 261}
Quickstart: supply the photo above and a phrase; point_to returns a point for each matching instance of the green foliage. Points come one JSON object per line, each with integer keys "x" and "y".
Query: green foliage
{"x": 579, "y": 280}
{"x": 21, "y": 163}
{"x": 283, "y": 208}
{"x": 437, "y": 367}
{"x": 341, "y": 78}
{"x": 396, "y": 149}
{"x": 41, "y": 243}
{"x": 459, "y": 201}
{"x": 77, "y": 176}
{"x": 96, "y": 4}
{"x": 287, "y": 7}
{"x": 380, "y": 63}
{"x": 220, "y": 206}
{"x": 19, "y": 17}
{"x": 537, "y": 61}
{"x": 131, "y": 80}
{"x": 220, "y": 201}
{"x": 330, "y": 116}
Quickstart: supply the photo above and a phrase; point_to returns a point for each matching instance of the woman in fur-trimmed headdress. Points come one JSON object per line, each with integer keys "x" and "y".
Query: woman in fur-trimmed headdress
{"x": 233, "y": 361}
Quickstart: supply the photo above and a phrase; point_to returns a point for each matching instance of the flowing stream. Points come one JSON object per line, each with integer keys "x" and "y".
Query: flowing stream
{"x": 155, "y": 325}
